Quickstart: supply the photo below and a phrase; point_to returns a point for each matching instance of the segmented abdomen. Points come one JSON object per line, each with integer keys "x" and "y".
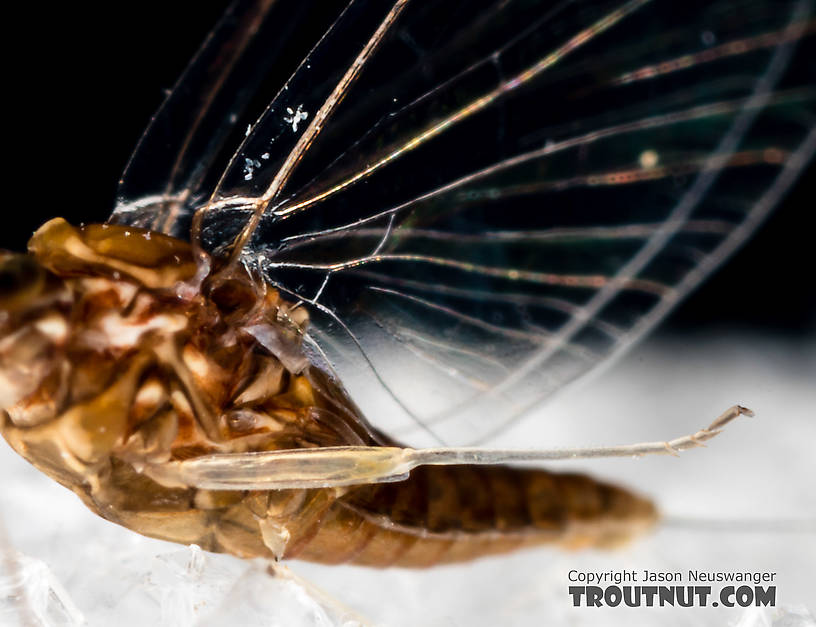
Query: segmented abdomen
{"x": 137, "y": 377}
{"x": 456, "y": 513}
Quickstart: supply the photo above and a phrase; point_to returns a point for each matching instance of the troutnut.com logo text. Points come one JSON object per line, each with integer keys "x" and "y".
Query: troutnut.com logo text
{"x": 694, "y": 588}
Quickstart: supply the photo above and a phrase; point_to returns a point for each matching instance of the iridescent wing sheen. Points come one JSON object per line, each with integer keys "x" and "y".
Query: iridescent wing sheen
{"x": 192, "y": 136}
{"x": 478, "y": 202}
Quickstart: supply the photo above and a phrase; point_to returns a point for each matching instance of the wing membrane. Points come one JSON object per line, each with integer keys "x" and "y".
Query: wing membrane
{"x": 246, "y": 59}
{"x": 504, "y": 198}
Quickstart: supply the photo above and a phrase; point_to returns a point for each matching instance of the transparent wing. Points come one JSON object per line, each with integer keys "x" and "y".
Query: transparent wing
{"x": 479, "y": 202}
{"x": 240, "y": 66}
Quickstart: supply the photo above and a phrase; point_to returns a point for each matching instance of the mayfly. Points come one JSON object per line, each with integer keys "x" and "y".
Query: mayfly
{"x": 445, "y": 214}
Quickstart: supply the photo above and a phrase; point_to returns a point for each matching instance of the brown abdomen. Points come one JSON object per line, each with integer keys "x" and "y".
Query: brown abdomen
{"x": 457, "y": 513}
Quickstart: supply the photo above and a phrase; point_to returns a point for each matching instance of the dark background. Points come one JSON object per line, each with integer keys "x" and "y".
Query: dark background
{"x": 85, "y": 81}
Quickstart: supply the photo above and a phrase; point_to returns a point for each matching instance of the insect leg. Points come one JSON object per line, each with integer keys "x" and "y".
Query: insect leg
{"x": 307, "y": 507}
{"x": 336, "y": 611}
{"x": 354, "y": 465}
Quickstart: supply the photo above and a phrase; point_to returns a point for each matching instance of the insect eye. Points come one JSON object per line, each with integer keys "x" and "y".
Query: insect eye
{"x": 21, "y": 278}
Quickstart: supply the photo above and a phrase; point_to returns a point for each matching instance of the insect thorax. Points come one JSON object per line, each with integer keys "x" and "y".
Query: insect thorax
{"x": 122, "y": 352}
{"x": 119, "y": 357}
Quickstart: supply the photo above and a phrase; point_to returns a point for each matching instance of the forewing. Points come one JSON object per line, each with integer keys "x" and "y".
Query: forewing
{"x": 242, "y": 64}
{"x": 505, "y": 196}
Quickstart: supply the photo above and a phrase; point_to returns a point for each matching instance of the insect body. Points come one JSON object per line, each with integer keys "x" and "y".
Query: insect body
{"x": 111, "y": 374}
{"x": 455, "y": 238}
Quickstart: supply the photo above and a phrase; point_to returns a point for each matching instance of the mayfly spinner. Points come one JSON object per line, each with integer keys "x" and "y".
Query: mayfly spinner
{"x": 445, "y": 214}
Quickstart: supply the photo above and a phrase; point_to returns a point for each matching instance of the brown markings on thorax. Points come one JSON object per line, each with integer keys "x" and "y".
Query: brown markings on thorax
{"x": 137, "y": 361}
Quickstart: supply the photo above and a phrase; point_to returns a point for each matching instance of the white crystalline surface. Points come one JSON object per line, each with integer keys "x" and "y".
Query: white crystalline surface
{"x": 796, "y": 616}
{"x": 62, "y": 565}
{"x": 30, "y": 594}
